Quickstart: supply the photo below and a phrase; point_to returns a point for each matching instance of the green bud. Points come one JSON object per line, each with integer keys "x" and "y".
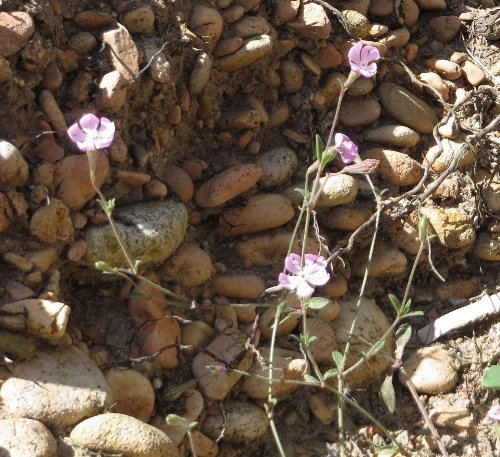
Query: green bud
{"x": 174, "y": 419}
{"x": 423, "y": 225}
{"x": 104, "y": 267}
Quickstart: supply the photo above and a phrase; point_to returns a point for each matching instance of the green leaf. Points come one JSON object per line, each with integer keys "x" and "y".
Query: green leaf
{"x": 491, "y": 378}
{"x": 413, "y": 314}
{"x": 174, "y": 419}
{"x": 388, "y": 395}
{"x": 316, "y": 302}
{"x": 406, "y": 307}
{"x": 388, "y": 451}
{"x": 309, "y": 378}
{"x": 192, "y": 425}
{"x": 301, "y": 191}
{"x": 376, "y": 347}
{"x": 272, "y": 402}
{"x": 337, "y": 359}
{"x": 331, "y": 373}
{"x": 319, "y": 148}
{"x": 105, "y": 268}
{"x": 403, "y": 335}
{"x": 423, "y": 224}
{"x": 137, "y": 264}
{"x": 395, "y": 302}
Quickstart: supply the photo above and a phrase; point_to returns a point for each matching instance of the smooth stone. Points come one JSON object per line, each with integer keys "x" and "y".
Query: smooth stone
{"x": 396, "y": 38}
{"x": 278, "y": 166}
{"x": 447, "y": 69}
{"x": 6, "y": 213}
{"x": 59, "y": 387}
{"x": 249, "y": 26}
{"x": 140, "y": 20}
{"x": 454, "y": 227}
{"x": 488, "y": 247}
{"x": 52, "y": 224}
{"x": 311, "y": 22}
{"x": 132, "y": 393}
{"x": 360, "y": 87}
{"x": 321, "y": 349}
{"x": 82, "y": 43}
{"x": 359, "y": 112}
{"x": 150, "y": 231}
{"x": 404, "y": 234}
{"x": 387, "y": 261}
{"x": 227, "y": 184}
{"x": 371, "y": 324}
{"x": 247, "y": 286}
{"x": 431, "y": 370}
{"x": 432, "y": 5}
{"x": 474, "y": 74}
{"x": 13, "y": 167}
{"x": 285, "y": 326}
{"x": 490, "y": 189}
{"x": 16, "y": 28}
{"x": 358, "y": 23}
{"x": 112, "y": 93}
{"x": 207, "y": 23}
{"x": 346, "y": 218}
{"x": 160, "y": 69}
{"x": 287, "y": 366}
{"x": 451, "y": 149}
{"x": 395, "y": 167}
{"x": 71, "y": 179}
{"x": 114, "y": 433}
{"x": 196, "y": 334}
{"x": 453, "y": 414}
{"x": 436, "y": 82}
{"x": 392, "y": 135}
{"x": 245, "y": 219}
{"x": 407, "y": 108}
{"x": 124, "y": 52}
{"x": 292, "y": 76}
{"x": 337, "y": 190}
{"x": 21, "y": 437}
{"x": 380, "y": 8}
{"x": 445, "y": 28}
{"x": 242, "y": 422}
{"x": 411, "y": 12}
{"x": 15, "y": 346}
{"x": 200, "y": 75}
{"x": 253, "y": 49}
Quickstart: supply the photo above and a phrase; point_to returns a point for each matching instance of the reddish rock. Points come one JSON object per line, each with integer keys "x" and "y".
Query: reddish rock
{"x": 124, "y": 53}
{"x": 16, "y": 28}
{"x": 311, "y": 22}
{"x": 49, "y": 150}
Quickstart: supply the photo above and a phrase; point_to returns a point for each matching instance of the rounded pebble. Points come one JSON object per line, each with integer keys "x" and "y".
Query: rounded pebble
{"x": 253, "y": 49}
{"x": 278, "y": 166}
{"x": 52, "y": 224}
{"x": 140, "y": 20}
{"x": 392, "y": 135}
{"x": 337, "y": 190}
{"x": 358, "y": 112}
{"x": 16, "y": 28}
{"x": 26, "y": 438}
{"x": 13, "y": 166}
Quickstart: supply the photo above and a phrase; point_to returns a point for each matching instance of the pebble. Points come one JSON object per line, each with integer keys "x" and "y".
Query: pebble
{"x": 233, "y": 13}
{"x": 287, "y": 366}
{"x": 388, "y": 261}
{"x": 18, "y": 291}
{"x": 360, "y": 87}
{"x": 380, "y": 8}
{"x": 49, "y": 150}
{"x": 132, "y": 393}
{"x": 53, "y": 112}
{"x": 18, "y": 261}
{"x": 203, "y": 446}
{"x": 44, "y": 258}
{"x": 83, "y": 43}
{"x": 278, "y": 166}
{"x": 395, "y": 167}
{"x": 241, "y": 119}
{"x": 227, "y": 184}
{"x": 453, "y": 415}
{"x": 328, "y": 57}
{"x": 436, "y": 82}
{"x": 445, "y": 28}
{"x": 189, "y": 266}
{"x": 140, "y": 20}
{"x": 59, "y": 387}
{"x": 26, "y": 437}
{"x": 196, "y": 334}
{"x": 329, "y": 312}
{"x": 326, "y": 342}
{"x": 71, "y": 178}
{"x": 228, "y": 46}
{"x": 16, "y": 28}
{"x": 207, "y": 23}
{"x": 166, "y": 223}
{"x": 133, "y": 178}
{"x": 396, "y": 38}
{"x": 200, "y": 74}
{"x": 346, "y": 218}
{"x": 44, "y": 319}
{"x": 51, "y": 224}
{"x": 357, "y": 112}
{"x": 16, "y": 347}
{"x": 451, "y": 149}
{"x": 253, "y": 49}
{"x": 112, "y": 93}
{"x": 446, "y": 68}
{"x": 488, "y": 247}
{"x": 404, "y": 234}
{"x": 432, "y": 5}
{"x": 228, "y": 349}
{"x": 13, "y": 167}
{"x": 159, "y": 69}
{"x": 93, "y": 19}
{"x": 77, "y": 251}
{"x": 52, "y": 77}
{"x": 242, "y": 422}
{"x": 6, "y": 213}
{"x": 454, "y": 226}
{"x": 124, "y": 52}
{"x": 292, "y": 76}
{"x": 178, "y": 181}
{"x": 474, "y": 74}
{"x": 279, "y": 115}
{"x": 392, "y": 135}
{"x": 246, "y": 286}
{"x": 249, "y": 26}
{"x": 337, "y": 190}
{"x": 311, "y": 22}
{"x": 411, "y": 12}
{"x": 371, "y": 324}
{"x": 114, "y": 433}
{"x": 407, "y": 108}
{"x": 490, "y": 189}
{"x": 431, "y": 370}
{"x": 359, "y": 24}
{"x": 285, "y": 326}
{"x": 5, "y": 71}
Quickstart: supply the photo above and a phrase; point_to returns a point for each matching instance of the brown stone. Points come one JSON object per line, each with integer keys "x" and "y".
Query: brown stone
{"x": 16, "y": 28}
{"x": 124, "y": 53}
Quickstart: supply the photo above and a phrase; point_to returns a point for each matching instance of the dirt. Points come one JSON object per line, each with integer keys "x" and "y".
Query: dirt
{"x": 100, "y": 319}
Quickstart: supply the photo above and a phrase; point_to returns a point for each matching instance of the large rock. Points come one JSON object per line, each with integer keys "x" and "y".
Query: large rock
{"x": 150, "y": 231}
{"x": 115, "y": 433}
{"x": 26, "y": 438}
{"x": 407, "y": 108}
{"x": 311, "y": 22}
{"x": 59, "y": 387}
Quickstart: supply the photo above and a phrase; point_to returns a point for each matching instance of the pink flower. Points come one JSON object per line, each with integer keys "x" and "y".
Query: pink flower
{"x": 304, "y": 279}
{"x": 362, "y": 58}
{"x": 494, "y": 414}
{"x": 91, "y": 133}
{"x": 347, "y": 149}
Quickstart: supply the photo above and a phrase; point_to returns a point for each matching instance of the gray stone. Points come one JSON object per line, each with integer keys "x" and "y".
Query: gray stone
{"x": 13, "y": 167}
{"x": 26, "y": 437}
{"x": 150, "y": 231}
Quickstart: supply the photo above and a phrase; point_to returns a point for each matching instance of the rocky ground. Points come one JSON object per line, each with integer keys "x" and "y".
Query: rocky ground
{"x": 216, "y": 105}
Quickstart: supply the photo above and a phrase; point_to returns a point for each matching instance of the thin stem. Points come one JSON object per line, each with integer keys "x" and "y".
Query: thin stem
{"x": 275, "y": 434}
{"x": 335, "y": 118}
{"x": 412, "y": 273}
{"x": 191, "y": 443}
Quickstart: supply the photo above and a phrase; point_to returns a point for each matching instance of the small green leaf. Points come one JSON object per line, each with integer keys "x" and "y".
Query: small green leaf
{"x": 376, "y": 347}
{"x": 406, "y": 307}
{"x": 309, "y": 378}
{"x": 387, "y": 451}
{"x": 413, "y": 314}
{"x": 388, "y": 395}
{"x": 316, "y": 302}
{"x": 272, "y": 402}
{"x": 423, "y": 225}
{"x": 331, "y": 373}
{"x": 301, "y": 191}
{"x": 319, "y": 148}
{"x": 491, "y": 378}
{"x": 395, "y": 302}
{"x": 192, "y": 425}
{"x": 174, "y": 419}
{"x": 337, "y": 359}
{"x": 105, "y": 268}
{"x": 137, "y": 264}
{"x": 403, "y": 335}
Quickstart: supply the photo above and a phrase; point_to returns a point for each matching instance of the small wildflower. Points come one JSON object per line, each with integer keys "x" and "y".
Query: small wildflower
{"x": 347, "y": 149}
{"x": 362, "y": 58}
{"x": 304, "y": 278}
{"x": 91, "y": 133}
{"x": 494, "y": 414}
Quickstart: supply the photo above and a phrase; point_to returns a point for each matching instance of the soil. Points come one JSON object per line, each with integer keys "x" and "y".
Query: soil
{"x": 100, "y": 321}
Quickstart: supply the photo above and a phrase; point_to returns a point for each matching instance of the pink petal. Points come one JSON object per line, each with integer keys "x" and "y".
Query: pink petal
{"x": 292, "y": 264}
{"x": 87, "y": 145}
{"x": 106, "y": 128}
{"x": 318, "y": 278}
{"x": 354, "y": 54}
{"x": 89, "y": 122}
{"x": 76, "y": 134}
{"x": 317, "y": 261}
{"x": 373, "y": 54}
{"x": 303, "y": 289}
{"x": 288, "y": 282}
{"x": 369, "y": 71}
{"x": 101, "y": 143}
